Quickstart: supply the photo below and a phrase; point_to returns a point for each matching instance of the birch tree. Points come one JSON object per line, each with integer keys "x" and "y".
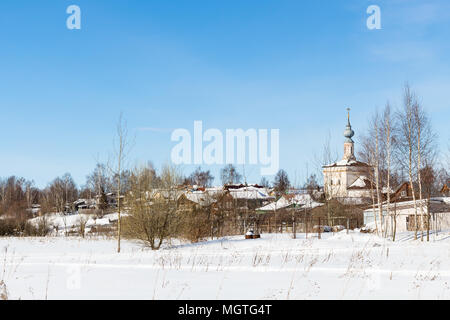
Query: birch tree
{"x": 388, "y": 139}
{"x": 425, "y": 154}
{"x": 122, "y": 146}
{"x": 370, "y": 153}
{"x": 326, "y": 158}
{"x": 377, "y": 169}
{"x": 407, "y": 143}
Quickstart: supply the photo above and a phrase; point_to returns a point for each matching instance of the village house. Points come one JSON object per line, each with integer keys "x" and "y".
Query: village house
{"x": 84, "y": 204}
{"x": 34, "y": 210}
{"x": 402, "y": 193}
{"x": 250, "y": 197}
{"x": 191, "y": 200}
{"x": 401, "y": 216}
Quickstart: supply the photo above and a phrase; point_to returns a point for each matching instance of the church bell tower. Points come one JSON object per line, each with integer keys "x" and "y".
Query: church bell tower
{"x": 349, "y": 145}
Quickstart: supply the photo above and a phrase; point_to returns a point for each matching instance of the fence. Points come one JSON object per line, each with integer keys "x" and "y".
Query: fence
{"x": 307, "y": 224}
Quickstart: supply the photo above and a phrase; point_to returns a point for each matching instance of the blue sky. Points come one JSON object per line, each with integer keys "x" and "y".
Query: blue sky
{"x": 290, "y": 65}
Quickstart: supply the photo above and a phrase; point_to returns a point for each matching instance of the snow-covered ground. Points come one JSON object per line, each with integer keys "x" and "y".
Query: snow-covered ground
{"x": 338, "y": 266}
{"x": 60, "y": 224}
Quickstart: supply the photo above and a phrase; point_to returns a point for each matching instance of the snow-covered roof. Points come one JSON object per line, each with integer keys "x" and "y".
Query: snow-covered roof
{"x": 200, "y": 197}
{"x": 172, "y": 194}
{"x": 347, "y": 163}
{"x": 215, "y": 191}
{"x": 361, "y": 183}
{"x": 86, "y": 201}
{"x": 445, "y": 200}
{"x": 299, "y": 200}
{"x": 276, "y": 205}
{"x": 439, "y": 201}
{"x": 250, "y": 193}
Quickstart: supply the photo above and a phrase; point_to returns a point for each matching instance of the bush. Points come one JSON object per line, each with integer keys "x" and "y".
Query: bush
{"x": 196, "y": 224}
{"x": 14, "y": 227}
{"x": 41, "y": 230}
{"x": 151, "y": 224}
{"x": 8, "y": 227}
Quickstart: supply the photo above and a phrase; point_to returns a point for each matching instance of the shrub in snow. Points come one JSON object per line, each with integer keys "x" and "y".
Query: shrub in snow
{"x": 151, "y": 224}
{"x": 8, "y": 227}
{"x": 19, "y": 227}
{"x": 195, "y": 224}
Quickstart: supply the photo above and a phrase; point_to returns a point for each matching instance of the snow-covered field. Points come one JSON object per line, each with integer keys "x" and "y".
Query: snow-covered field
{"x": 338, "y": 266}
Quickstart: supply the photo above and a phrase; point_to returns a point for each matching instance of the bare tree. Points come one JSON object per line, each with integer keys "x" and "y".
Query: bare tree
{"x": 60, "y": 193}
{"x": 98, "y": 180}
{"x": 418, "y": 123}
{"x": 416, "y": 140}
{"x": 426, "y": 153}
{"x": 387, "y": 140}
{"x": 230, "y": 175}
{"x": 16, "y": 195}
{"x": 264, "y": 182}
{"x": 311, "y": 183}
{"x": 200, "y": 178}
{"x": 442, "y": 177}
{"x": 370, "y": 153}
{"x": 325, "y": 159}
{"x": 377, "y": 170}
{"x": 122, "y": 147}
{"x": 407, "y": 143}
{"x": 281, "y": 182}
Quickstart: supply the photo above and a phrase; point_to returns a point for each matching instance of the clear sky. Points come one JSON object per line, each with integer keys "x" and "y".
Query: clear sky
{"x": 290, "y": 65}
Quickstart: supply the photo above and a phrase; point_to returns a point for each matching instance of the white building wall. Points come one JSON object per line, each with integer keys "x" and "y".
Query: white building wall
{"x": 439, "y": 221}
{"x": 338, "y": 179}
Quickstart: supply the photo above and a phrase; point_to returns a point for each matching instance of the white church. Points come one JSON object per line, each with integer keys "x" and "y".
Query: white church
{"x": 348, "y": 179}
